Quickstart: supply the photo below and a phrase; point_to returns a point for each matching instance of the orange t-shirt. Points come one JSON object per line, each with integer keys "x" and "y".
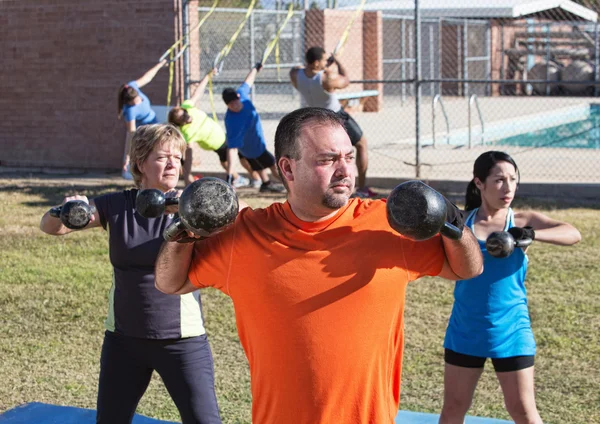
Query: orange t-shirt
{"x": 319, "y": 308}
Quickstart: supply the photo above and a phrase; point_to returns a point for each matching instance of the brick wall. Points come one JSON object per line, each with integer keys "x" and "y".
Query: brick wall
{"x": 62, "y": 63}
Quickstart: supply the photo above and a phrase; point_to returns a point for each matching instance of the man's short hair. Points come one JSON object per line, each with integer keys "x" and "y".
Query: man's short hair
{"x": 229, "y": 95}
{"x": 313, "y": 54}
{"x": 288, "y": 131}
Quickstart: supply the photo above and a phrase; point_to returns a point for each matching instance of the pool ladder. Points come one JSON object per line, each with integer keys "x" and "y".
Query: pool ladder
{"x": 438, "y": 99}
{"x": 473, "y": 100}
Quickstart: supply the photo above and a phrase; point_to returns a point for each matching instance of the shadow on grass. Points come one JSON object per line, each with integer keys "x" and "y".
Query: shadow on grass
{"x": 53, "y": 190}
{"x": 54, "y": 195}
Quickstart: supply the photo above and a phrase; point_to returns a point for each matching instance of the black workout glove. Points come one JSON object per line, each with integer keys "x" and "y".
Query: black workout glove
{"x": 522, "y": 233}
{"x": 454, "y": 215}
{"x": 258, "y": 66}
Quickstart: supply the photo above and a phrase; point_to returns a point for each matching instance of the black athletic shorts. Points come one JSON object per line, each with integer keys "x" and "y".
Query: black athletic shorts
{"x": 264, "y": 161}
{"x": 222, "y": 152}
{"x": 351, "y": 126}
{"x": 513, "y": 363}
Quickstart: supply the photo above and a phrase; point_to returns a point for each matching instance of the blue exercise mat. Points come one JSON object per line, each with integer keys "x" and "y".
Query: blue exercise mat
{"x": 409, "y": 417}
{"x": 41, "y": 413}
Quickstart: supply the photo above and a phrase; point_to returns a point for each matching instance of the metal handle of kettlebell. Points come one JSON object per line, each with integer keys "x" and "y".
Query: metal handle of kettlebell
{"x": 451, "y": 231}
{"x": 176, "y": 232}
{"x": 523, "y": 242}
{"x": 170, "y": 201}
{"x": 55, "y": 211}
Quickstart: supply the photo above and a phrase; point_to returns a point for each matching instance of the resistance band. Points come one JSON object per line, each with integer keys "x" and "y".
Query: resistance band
{"x": 275, "y": 40}
{"x": 170, "y": 53}
{"x": 218, "y": 63}
{"x": 344, "y": 38}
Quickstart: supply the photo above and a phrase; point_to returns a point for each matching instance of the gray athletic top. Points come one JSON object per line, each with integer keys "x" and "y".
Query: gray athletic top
{"x": 136, "y": 307}
{"x": 313, "y": 94}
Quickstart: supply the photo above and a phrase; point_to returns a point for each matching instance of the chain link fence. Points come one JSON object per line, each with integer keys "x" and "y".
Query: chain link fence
{"x": 520, "y": 77}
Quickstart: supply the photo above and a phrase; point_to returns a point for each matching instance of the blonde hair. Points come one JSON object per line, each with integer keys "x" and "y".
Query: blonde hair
{"x": 145, "y": 139}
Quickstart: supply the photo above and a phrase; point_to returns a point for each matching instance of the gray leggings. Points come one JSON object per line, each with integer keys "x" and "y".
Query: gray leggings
{"x": 185, "y": 366}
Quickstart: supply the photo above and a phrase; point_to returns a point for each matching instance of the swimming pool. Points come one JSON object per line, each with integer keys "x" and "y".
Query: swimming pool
{"x": 582, "y": 134}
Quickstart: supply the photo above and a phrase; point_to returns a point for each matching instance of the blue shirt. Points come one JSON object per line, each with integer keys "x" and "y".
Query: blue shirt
{"x": 244, "y": 129}
{"x": 490, "y": 317}
{"x": 142, "y": 113}
{"x": 136, "y": 307}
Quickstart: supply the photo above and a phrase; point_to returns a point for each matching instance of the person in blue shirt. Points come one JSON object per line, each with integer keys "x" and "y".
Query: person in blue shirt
{"x": 135, "y": 109}
{"x": 490, "y": 317}
{"x": 147, "y": 330}
{"x": 245, "y": 136}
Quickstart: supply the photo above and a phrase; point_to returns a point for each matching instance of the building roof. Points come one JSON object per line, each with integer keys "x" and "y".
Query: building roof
{"x": 481, "y": 8}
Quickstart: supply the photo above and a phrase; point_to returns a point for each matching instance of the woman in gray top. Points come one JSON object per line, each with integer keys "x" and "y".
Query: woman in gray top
{"x": 147, "y": 330}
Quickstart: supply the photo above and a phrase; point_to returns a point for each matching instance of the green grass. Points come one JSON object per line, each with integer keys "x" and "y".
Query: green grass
{"x": 53, "y": 299}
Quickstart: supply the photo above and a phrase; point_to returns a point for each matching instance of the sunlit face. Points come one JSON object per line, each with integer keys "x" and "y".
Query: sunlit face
{"x": 323, "y": 177}
{"x": 499, "y": 188}
{"x": 235, "y": 105}
{"x": 161, "y": 168}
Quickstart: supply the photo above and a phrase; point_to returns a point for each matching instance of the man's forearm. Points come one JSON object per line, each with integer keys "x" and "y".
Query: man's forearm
{"x": 341, "y": 69}
{"x": 172, "y": 266}
{"x": 464, "y": 255}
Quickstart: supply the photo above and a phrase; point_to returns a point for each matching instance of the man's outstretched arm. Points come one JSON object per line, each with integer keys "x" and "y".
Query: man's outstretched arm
{"x": 172, "y": 266}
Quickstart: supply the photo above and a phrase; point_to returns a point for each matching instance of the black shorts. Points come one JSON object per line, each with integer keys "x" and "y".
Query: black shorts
{"x": 222, "y": 152}
{"x": 264, "y": 161}
{"x": 513, "y": 363}
{"x": 351, "y": 126}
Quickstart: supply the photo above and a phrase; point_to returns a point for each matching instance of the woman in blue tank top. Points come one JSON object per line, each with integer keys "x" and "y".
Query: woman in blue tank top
{"x": 147, "y": 330}
{"x": 490, "y": 317}
{"x": 135, "y": 109}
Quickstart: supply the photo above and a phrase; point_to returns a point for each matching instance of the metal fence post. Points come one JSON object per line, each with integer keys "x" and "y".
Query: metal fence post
{"x": 465, "y": 56}
{"x": 596, "y": 59}
{"x": 403, "y": 54}
{"x": 186, "y": 55}
{"x": 417, "y": 89}
{"x": 252, "y": 61}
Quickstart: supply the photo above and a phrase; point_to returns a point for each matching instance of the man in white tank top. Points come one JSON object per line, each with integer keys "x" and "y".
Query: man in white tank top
{"x": 316, "y": 82}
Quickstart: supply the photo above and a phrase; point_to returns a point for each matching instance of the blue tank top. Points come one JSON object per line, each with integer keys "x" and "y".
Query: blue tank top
{"x": 490, "y": 317}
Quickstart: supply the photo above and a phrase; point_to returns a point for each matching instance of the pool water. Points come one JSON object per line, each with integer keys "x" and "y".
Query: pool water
{"x": 584, "y": 134}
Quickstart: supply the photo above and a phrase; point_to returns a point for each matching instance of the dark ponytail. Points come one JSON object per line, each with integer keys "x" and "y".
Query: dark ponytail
{"x": 473, "y": 197}
{"x": 481, "y": 170}
{"x": 126, "y": 94}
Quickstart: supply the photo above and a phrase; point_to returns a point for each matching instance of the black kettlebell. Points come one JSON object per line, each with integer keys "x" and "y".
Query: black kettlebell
{"x": 75, "y": 214}
{"x": 206, "y": 206}
{"x": 151, "y": 203}
{"x": 418, "y": 212}
{"x": 501, "y": 244}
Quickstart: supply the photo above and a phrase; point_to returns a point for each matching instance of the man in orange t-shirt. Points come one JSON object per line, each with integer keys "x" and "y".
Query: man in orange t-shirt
{"x": 318, "y": 283}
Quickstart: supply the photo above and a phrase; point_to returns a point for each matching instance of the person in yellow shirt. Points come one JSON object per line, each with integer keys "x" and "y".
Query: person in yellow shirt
{"x": 197, "y": 127}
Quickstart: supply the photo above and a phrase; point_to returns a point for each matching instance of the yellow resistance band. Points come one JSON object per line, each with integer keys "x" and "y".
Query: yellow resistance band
{"x": 340, "y": 45}
{"x": 275, "y": 40}
{"x": 225, "y": 50}
{"x": 223, "y": 53}
{"x": 171, "y": 50}
{"x": 171, "y": 74}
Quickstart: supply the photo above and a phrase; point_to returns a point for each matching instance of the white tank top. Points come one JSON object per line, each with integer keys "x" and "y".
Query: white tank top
{"x": 313, "y": 94}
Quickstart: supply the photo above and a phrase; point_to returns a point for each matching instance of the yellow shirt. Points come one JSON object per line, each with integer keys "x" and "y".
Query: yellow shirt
{"x": 203, "y": 130}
